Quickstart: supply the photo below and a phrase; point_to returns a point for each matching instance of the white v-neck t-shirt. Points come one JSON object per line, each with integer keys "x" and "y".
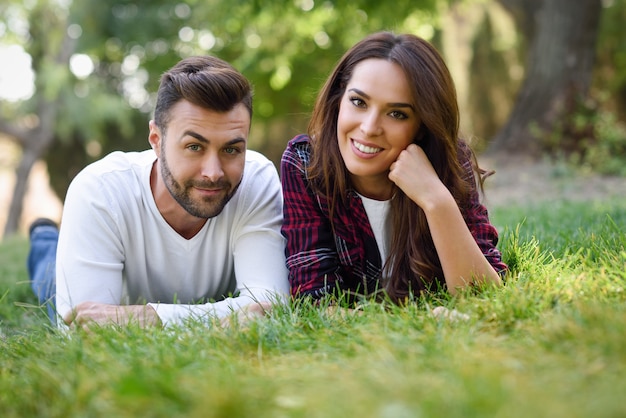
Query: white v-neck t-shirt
{"x": 377, "y": 212}
{"x": 115, "y": 247}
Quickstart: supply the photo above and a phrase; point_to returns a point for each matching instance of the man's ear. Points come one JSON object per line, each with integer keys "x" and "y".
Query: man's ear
{"x": 154, "y": 137}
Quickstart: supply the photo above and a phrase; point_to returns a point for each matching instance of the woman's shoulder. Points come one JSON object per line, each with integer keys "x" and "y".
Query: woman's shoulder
{"x": 302, "y": 141}
{"x": 467, "y": 159}
{"x": 464, "y": 150}
{"x": 298, "y": 151}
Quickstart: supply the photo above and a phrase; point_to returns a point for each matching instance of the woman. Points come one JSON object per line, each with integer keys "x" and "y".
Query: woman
{"x": 381, "y": 196}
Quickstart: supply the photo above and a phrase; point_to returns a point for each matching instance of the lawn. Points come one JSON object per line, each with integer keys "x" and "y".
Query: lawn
{"x": 550, "y": 343}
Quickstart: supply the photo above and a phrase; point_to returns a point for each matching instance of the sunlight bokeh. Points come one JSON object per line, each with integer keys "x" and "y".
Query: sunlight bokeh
{"x": 17, "y": 80}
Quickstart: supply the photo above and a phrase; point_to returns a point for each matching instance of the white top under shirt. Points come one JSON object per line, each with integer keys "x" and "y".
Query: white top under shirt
{"x": 116, "y": 248}
{"x": 377, "y": 211}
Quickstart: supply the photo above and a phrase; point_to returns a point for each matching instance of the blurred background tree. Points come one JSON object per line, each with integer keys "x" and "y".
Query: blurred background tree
{"x": 561, "y": 41}
{"x": 97, "y": 66}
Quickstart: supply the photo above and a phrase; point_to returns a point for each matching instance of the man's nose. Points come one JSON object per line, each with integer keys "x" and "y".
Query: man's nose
{"x": 212, "y": 167}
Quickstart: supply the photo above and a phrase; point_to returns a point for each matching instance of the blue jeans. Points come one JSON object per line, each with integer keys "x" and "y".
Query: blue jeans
{"x": 41, "y": 265}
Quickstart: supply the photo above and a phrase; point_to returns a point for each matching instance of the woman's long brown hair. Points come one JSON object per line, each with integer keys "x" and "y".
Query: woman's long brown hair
{"x": 413, "y": 264}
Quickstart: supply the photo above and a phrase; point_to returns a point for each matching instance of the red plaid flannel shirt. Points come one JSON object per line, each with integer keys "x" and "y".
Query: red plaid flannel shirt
{"x": 320, "y": 261}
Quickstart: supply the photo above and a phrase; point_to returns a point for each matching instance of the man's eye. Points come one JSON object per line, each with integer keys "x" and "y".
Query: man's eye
{"x": 231, "y": 150}
{"x": 194, "y": 147}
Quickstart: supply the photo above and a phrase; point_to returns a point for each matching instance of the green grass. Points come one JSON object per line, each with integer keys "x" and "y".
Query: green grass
{"x": 551, "y": 343}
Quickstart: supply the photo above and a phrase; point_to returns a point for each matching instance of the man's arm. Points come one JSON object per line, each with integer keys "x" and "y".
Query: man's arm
{"x": 86, "y": 314}
{"x": 90, "y": 254}
{"x": 94, "y": 251}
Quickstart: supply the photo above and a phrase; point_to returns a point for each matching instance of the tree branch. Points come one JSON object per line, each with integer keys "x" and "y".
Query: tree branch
{"x": 14, "y": 133}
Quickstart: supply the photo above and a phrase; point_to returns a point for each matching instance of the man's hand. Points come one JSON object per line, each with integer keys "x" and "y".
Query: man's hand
{"x": 452, "y": 315}
{"x": 247, "y": 314}
{"x": 86, "y": 314}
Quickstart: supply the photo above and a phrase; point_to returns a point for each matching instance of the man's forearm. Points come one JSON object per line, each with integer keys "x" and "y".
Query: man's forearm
{"x": 88, "y": 313}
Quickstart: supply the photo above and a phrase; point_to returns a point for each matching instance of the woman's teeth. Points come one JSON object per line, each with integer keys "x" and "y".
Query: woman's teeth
{"x": 366, "y": 149}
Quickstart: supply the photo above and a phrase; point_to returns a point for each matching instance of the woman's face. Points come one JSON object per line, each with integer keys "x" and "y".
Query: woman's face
{"x": 377, "y": 120}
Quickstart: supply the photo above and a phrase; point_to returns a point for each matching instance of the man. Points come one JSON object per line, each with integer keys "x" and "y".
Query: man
{"x": 187, "y": 230}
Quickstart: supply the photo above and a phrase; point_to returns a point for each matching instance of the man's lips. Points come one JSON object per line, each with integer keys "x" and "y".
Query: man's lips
{"x": 210, "y": 191}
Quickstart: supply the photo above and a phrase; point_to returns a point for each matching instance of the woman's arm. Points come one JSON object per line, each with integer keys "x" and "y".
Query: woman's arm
{"x": 462, "y": 260}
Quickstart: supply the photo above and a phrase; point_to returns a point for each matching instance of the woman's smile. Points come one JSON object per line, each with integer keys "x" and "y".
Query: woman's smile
{"x": 368, "y": 149}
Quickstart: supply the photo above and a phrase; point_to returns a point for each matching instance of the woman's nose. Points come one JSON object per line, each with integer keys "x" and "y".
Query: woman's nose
{"x": 370, "y": 125}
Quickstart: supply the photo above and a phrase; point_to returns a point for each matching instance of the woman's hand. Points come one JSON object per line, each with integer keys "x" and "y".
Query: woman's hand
{"x": 414, "y": 174}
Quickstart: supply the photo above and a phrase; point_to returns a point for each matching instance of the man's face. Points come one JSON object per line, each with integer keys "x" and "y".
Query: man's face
{"x": 202, "y": 156}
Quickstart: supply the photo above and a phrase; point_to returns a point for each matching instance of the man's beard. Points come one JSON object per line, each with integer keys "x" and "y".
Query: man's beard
{"x": 207, "y": 207}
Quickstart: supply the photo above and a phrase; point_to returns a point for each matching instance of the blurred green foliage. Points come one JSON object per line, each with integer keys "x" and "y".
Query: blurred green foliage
{"x": 285, "y": 47}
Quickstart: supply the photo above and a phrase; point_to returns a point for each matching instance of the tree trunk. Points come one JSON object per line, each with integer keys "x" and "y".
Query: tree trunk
{"x": 524, "y": 13}
{"x": 558, "y": 71}
{"x": 36, "y": 141}
{"x": 22, "y": 174}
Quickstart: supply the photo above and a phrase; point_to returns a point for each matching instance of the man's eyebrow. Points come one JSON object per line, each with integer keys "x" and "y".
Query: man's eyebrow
{"x": 236, "y": 141}
{"x": 195, "y": 135}
{"x": 204, "y": 140}
{"x": 392, "y": 104}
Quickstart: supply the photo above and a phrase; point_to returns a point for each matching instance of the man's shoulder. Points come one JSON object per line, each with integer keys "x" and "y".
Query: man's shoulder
{"x": 119, "y": 161}
{"x": 257, "y": 163}
{"x": 114, "y": 171}
{"x": 260, "y": 175}
{"x": 256, "y": 157}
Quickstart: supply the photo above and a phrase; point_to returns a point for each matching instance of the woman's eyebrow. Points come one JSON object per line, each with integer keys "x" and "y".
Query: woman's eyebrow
{"x": 391, "y": 104}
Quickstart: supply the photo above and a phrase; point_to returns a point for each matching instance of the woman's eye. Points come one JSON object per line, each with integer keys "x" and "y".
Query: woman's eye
{"x": 396, "y": 114}
{"x": 357, "y": 101}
